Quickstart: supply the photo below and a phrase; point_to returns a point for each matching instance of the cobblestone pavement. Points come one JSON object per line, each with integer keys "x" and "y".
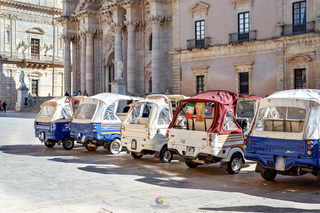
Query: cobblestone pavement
{"x": 39, "y": 179}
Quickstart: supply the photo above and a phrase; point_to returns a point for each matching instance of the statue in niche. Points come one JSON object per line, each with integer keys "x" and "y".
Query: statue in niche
{"x": 118, "y": 67}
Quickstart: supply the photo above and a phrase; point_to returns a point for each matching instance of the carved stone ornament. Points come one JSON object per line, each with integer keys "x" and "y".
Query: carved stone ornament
{"x": 238, "y": 2}
{"x": 200, "y": 9}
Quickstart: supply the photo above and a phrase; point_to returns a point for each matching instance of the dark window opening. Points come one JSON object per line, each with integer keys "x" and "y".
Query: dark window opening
{"x": 299, "y": 17}
{"x": 243, "y": 26}
{"x": 150, "y": 42}
{"x": 244, "y": 83}
{"x": 35, "y": 48}
{"x": 300, "y": 77}
{"x": 34, "y": 87}
{"x": 200, "y": 83}
{"x": 199, "y": 31}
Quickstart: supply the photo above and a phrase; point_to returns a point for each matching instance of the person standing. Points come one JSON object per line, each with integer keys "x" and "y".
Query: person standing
{"x": 0, "y": 107}
{"x": 85, "y": 93}
{"x": 79, "y": 93}
{"x": 67, "y": 94}
{"x": 4, "y": 105}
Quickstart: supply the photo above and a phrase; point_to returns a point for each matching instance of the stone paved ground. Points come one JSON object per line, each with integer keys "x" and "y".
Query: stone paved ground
{"x": 34, "y": 178}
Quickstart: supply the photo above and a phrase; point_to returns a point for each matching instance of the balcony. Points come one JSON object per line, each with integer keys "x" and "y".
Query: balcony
{"x": 198, "y": 43}
{"x": 298, "y": 29}
{"x": 241, "y": 37}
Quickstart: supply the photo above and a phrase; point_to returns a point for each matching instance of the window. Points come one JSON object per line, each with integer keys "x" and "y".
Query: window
{"x": 199, "y": 33}
{"x": 200, "y": 83}
{"x": 85, "y": 111}
{"x": 300, "y": 79}
{"x": 46, "y": 112}
{"x": 229, "y": 121}
{"x": 243, "y": 26}
{"x": 34, "y": 87}
{"x": 150, "y": 42}
{"x": 280, "y": 119}
{"x": 244, "y": 83}
{"x": 164, "y": 117}
{"x": 299, "y": 17}
{"x": 35, "y": 48}
{"x": 109, "y": 114}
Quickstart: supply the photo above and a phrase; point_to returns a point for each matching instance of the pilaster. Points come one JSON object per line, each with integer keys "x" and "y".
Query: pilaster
{"x": 89, "y": 63}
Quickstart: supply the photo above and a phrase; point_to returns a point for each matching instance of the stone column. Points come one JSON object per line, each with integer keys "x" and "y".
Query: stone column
{"x": 74, "y": 66}
{"x": 89, "y": 64}
{"x": 131, "y": 58}
{"x": 83, "y": 63}
{"x": 156, "y": 67}
{"x": 317, "y": 67}
{"x": 118, "y": 42}
{"x": 67, "y": 65}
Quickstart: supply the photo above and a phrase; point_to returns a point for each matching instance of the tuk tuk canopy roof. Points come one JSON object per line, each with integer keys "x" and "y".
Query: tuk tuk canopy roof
{"x": 111, "y": 97}
{"x": 218, "y": 96}
{"x": 302, "y": 94}
{"x": 58, "y": 104}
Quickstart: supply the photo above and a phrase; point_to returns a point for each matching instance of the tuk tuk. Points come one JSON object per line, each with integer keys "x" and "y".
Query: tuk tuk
{"x": 97, "y": 121}
{"x": 204, "y": 130}
{"x": 284, "y": 136}
{"x": 174, "y": 99}
{"x": 52, "y": 123}
{"x": 144, "y": 128}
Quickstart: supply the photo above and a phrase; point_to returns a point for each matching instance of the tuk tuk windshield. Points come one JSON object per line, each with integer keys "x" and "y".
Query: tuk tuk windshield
{"x": 245, "y": 109}
{"x": 46, "y": 112}
{"x": 280, "y": 119}
{"x": 139, "y": 114}
{"x": 85, "y": 111}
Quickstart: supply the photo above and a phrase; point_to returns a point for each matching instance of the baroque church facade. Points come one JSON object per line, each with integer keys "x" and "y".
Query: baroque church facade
{"x": 184, "y": 47}
{"x": 30, "y": 40}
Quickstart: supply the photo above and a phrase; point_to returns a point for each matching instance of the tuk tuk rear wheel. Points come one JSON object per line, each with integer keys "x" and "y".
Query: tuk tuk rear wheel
{"x": 165, "y": 155}
{"x": 269, "y": 174}
{"x": 235, "y": 164}
{"x": 67, "y": 143}
{"x": 190, "y": 163}
{"x": 91, "y": 148}
{"x": 49, "y": 144}
{"x": 136, "y": 156}
{"x": 115, "y": 146}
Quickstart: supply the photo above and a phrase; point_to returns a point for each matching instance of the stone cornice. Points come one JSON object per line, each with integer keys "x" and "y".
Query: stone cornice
{"x": 237, "y": 2}
{"x": 111, "y": 5}
{"x": 26, "y": 6}
{"x": 66, "y": 18}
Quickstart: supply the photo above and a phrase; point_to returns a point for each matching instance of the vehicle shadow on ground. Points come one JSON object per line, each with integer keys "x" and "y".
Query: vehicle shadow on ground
{"x": 151, "y": 171}
{"x": 258, "y": 208}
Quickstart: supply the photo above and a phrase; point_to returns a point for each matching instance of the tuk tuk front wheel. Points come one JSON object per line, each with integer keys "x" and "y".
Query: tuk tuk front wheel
{"x": 269, "y": 174}
{"x": 49, "y": 144}
{"x": 235, "y": 164}
{"x": 136, "y": 156}
{"x": 115, "y": 146}
{"x": 165, "y": 155}
{"x": 90, "y": 147}
{"x": 190, "y": 163}
{"x": 67, "y": 143}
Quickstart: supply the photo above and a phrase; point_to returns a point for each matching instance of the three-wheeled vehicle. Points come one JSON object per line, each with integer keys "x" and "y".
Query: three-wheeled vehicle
{"x": 284, "y": 137}
{"x": 144, "y": 128}
{"x": 52, "y": 123}
{"x": 174, "y": 100}
{"x": 97, "y": 121}
{"x": 204, "y": 130}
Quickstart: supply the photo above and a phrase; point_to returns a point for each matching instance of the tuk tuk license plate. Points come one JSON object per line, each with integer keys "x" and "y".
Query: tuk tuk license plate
{"x": 281, "y": 163}
{"x": 133, "y": 144}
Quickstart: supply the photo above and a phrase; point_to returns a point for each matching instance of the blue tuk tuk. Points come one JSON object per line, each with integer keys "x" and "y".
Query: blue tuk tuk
{"x": 97, "y": 121}
{"x": 284, "y": 136}
{"x": 52, "y": 123}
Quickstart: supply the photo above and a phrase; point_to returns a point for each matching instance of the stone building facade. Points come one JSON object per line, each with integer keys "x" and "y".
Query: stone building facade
{"x": 30, "y": 40}
{"x": 186, "y": 46}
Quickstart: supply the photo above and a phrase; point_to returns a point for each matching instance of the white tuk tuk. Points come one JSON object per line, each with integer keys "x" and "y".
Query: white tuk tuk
{"x": 97, "y": 121}
{"x": 144, "y": 128}
{"x": 204, "y": 130}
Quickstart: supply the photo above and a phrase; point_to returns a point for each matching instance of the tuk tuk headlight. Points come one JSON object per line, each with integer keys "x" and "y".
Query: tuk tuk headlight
{"x": 309, "y": 153}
